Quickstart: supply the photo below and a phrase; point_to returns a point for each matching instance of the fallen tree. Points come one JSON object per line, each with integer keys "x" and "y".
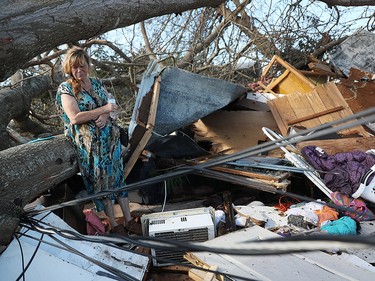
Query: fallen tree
{"x": 28, "y": 170}
{"x": 29, "y": 28}
{"x": 16, "y": 102}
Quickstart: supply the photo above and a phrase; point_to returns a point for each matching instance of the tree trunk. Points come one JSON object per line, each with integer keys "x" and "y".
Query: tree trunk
{"x": 16, "y": 103}
{"x": 28, "y": 170}
{"x": 29, "y": 28}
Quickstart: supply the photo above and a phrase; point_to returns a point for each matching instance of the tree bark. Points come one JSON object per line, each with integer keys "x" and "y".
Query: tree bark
{"x": 16, "y": 103}
{"x": 28, "y": 170}
{"x": 29, "y": 28}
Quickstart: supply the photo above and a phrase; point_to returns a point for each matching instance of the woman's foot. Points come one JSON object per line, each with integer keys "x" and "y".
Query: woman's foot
{"x": 119, "y": 230}
{"x": 133, "y": 227}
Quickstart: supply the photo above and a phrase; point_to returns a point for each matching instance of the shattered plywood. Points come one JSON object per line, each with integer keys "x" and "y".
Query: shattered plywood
{"x": 322, "y": 105}
{"x": 358, "y": 90}
{"x": 290, "y": 81}
{"x": 233, "y": 131}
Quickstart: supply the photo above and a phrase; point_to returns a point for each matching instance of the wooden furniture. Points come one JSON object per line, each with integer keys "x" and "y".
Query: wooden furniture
{"x": 321, "y": 105}
{"x": 289, "y": 82}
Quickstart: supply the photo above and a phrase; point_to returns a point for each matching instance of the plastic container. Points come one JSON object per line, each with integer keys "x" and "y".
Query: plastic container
{"x": 366, "y": 189}
{"x": 111, "y": 99}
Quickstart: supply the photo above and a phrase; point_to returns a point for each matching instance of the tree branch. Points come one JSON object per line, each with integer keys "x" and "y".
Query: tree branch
{"x": 39, "y": 26}
{"x": 348, "y": 3}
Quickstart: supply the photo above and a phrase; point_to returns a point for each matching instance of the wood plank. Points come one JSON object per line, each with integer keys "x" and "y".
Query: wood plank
{"x": 335, "y": 94}
{"x": 293, "y": 84}
{"x": 322, "y": 105}
{"x": 236, "y": 130}
{"x": 319, "y": 106}
{"x": 328, "y": 102}
{"x": 278, "y": 80}
{"x": 281, "y": 123}
{"x": 250, "y": 174}
{"x": 210, "y": 276}
{"x": 301, "y": 107}
{"x": 148, "y": 125}
{"x": 295, "y": 72}
{"x": 315, "y": 115}
{"x": 286, "y": 112}
{"x": 328, "y": 98}
{"x": 341, "y": 145}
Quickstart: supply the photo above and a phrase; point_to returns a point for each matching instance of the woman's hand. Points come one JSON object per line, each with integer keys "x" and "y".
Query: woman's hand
{"x": 111, "y": 107}
{"x": 102, "y": 120}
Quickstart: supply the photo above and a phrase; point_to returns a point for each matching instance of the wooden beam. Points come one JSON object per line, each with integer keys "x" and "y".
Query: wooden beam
{"x": 315, "y": 115}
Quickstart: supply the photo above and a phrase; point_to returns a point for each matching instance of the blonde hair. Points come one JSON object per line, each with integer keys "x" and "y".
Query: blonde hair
{"x": 75, "y": 56}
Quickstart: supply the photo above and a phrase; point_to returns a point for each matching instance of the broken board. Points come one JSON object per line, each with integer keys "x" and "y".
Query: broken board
{"x": 341, "y": 145}
{"x": 233, "y": 131}
{"x": 322, "y": 105}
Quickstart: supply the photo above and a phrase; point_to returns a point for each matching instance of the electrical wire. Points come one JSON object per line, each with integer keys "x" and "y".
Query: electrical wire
{"x": 66, "y": 247}
{"x": 165, "y": 196}
{"x": 264, "y": 247}
{"x": 24, "y": 269}
{"x": 22, "y": 258}
{"x": 272, "y": 246}
{"x": 363, "y": 117}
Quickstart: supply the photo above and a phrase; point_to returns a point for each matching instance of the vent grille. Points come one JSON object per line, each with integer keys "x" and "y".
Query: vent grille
{"x": 192, "y": 235}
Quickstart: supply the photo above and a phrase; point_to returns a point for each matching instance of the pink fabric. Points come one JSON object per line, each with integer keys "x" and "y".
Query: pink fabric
{"x": 94, "y": 225}
{"x": 362, "y": 212}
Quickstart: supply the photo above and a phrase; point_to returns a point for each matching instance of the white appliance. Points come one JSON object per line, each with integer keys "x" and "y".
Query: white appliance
{"x": 190, "y": 225}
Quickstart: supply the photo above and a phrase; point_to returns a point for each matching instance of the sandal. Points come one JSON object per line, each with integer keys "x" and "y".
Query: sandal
{"x": 119, "y": 230}
{"x": 133, "y": 227}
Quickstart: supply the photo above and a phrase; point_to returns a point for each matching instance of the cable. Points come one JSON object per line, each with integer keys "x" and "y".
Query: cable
{"x": 22, "y": 258}
{"x": 256, "y": 248}
{"x": 279, "y": 245}
{"x": 165, "y": 196}
{"x": 30, "y": 261}
{"x": 70, "y": 249}
{"x": 364, "y": 117}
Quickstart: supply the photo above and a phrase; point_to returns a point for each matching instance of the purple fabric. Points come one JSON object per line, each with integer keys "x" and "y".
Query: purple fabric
{"x": 342, "y": 172}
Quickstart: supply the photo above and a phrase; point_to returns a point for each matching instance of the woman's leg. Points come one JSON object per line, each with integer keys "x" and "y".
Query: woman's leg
{"x": 109, "y": 211}
{"x": 130, "y": 224}
{"x": 124, "y": 204}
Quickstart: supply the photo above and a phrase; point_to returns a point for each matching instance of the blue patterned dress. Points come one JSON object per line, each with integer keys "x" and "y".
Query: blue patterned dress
{"x": 98, "y": 150}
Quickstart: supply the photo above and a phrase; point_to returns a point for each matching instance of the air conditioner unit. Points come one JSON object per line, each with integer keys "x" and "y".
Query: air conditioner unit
{"x": 190, "y": 225}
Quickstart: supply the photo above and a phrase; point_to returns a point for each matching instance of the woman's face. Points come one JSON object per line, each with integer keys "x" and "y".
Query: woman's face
{"x": 80, "y": 70}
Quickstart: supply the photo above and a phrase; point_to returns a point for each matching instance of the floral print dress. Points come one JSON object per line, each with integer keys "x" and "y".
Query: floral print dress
{"x": 98, "y": 150}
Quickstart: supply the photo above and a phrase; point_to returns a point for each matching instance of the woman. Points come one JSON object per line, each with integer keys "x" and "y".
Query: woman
{"x": 85, "y": 111}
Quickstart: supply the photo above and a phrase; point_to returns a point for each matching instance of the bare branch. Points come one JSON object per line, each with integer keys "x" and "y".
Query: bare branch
{"x": 348, "y": 3}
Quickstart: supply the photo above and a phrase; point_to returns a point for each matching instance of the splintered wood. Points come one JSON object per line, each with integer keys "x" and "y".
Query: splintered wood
{"x": 322, "y": 105}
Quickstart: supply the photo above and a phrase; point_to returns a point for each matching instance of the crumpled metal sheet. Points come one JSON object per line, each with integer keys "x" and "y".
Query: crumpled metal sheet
{"x": 356, "y": 51}
{"x": 184, "y": 97}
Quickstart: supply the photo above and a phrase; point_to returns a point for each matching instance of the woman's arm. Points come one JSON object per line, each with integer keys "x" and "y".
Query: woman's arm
{"x": 76, "y": 116}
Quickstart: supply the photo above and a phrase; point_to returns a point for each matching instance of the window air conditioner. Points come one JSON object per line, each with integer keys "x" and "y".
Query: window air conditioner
{"x": 190, "y": 225}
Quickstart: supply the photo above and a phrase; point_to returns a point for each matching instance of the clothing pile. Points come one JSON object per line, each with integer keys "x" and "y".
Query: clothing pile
{"x": 340, "y": 172}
